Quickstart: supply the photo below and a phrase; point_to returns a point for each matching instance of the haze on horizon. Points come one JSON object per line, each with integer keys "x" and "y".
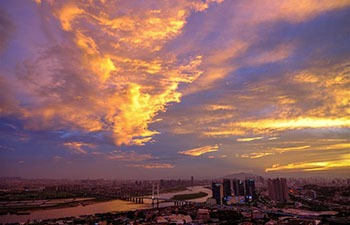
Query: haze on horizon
{"x": 170, "y": 89}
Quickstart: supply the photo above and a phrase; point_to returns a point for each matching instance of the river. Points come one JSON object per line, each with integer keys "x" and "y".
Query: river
{"x": 102, "y": 207}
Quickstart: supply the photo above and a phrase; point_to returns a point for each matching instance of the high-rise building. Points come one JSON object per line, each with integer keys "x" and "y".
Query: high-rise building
{"x": 249, "y": 189}
{"x": 278, "y": 190}
{"x": 226, "y": 187}
{"x": 218, "y": 192}
{"x": 235, "y": 187}
{"x": 192, "y": 181}
{"x": 238, "y": 187}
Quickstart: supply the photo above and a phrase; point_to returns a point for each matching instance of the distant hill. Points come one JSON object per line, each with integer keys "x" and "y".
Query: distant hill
{"x": 238, "y": 176}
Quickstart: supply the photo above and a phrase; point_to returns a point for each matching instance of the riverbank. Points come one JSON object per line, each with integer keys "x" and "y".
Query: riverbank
{"x": 101, "y": 207}
{"x": 92, "y": 207}
{"x": 17, "y": 207}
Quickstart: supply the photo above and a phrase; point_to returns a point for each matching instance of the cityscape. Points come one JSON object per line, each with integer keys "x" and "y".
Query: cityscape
{"x": 229, "y": 200}
{"x": 175, "y": 112}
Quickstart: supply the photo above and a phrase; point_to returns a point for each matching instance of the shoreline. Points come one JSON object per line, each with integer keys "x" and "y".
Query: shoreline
{"x": 76, "y": 211}
{"x": 92, "y": 207}
{"x": 60, "y": 205}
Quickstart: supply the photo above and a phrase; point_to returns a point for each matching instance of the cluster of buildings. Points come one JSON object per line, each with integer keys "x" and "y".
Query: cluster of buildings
{"x": 191, "y": 215}
{"x": 233, "y": 191}
{"x": 16, "y": 192}
{"x": 270, "y": 201}
{"x": 92, "y": 187}
{"x": 278, "y": 190}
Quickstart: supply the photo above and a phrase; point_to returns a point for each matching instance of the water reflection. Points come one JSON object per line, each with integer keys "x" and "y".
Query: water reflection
{"x": 103, "y": 207}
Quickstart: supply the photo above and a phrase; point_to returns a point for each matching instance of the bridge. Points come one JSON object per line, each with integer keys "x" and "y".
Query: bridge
{"x": 156, "y": 199}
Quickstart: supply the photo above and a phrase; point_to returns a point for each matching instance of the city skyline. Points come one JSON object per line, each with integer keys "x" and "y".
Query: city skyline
{"x": 174, "y": 89}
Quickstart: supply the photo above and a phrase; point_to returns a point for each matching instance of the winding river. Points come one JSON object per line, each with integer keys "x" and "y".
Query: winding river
{"x": 102, "y": 207}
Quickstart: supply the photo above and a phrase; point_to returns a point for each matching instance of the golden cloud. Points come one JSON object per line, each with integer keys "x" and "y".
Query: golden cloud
{"x": 255, "y": 155}
{"x": 128, "y": 156}
{"x": 308, "y": 147}
{"x": 287, "y": 149}
{"x": 116, "y": 75}
{"x": 249, "y": 139}
{"x": 342, "y": 162}
{"x": 273, "y": 138}
{"x": 269, "y": 126}
{"x": 200, "y": 151}
{"x": 298, "y": 123}
{"x": 290, "y": 10}
{"x": 219, "y": 63}
{"x": 219, "y": 107}
{"x": 219, "y": 156}
{"x": 77, "y": 147}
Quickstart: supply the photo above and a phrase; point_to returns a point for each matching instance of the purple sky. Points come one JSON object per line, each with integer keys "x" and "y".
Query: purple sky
{"x": 170, "y": 89}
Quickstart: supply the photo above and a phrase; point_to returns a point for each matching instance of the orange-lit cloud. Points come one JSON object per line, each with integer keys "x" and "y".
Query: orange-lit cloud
{"x": 125, "y": 77}
{"x": 265, "y": 78}
{"x": 123, "y": 80}
{"x": 273, "y": 138}
{"x": 129, "y": 156}
{"x": 334, "y": 146}
{"x": 67, "y": 14}
{"x": 249, "y": 139}
{"x": 298, "y": 123}
{"x": 268, "y": 126}
{"x": 309, "y": 148}
{"x": 153, "y": 166}
{"x": 219, "y": 107}
{"x": 275, "y": 55}
{"x": 342, "y": 163}
{"x": 289, "y": 10}
{"x": 287, "y": 149}
{"x": 77, "y": 147}
{"x": 219, "y": 63}
{"x": 200, "y": 151}
{"x": 218, "y": 156}
{"x": 255, "y": 155}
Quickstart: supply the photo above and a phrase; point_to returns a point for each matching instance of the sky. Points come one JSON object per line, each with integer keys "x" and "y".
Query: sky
{"x": 149, "y": 89}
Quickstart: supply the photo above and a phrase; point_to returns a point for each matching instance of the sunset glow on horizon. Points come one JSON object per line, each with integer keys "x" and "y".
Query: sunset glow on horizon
{"x": 151, "y": 89}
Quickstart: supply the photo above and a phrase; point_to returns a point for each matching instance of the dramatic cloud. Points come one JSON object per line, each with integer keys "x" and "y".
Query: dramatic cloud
{"x": 340, "y": 163}
{"x": 130, "y": 156}
{"x": 77, "y": 147}
{"x": 255, "y": 155}
{"x": 319, "y": 146}
{"x": 123, "y": 78}
{"x": 200, "y": 151}
{"x": 268, "y": 80}
{"x": 249, "y": 139}
{"x": 287, "y": 149}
